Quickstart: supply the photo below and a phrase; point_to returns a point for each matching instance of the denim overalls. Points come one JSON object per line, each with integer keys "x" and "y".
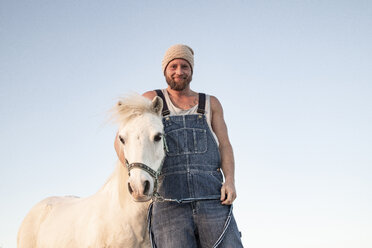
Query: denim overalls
{"x": 191, "y": 169}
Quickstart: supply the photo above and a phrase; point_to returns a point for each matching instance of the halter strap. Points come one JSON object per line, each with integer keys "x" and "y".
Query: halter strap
{"x": 165, "y": 111}
{"x": 142, "y": 166}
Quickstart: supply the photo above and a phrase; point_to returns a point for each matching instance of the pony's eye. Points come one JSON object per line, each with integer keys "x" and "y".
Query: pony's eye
{"x": 157, "y": 137}
{"x": 121, "y": 140}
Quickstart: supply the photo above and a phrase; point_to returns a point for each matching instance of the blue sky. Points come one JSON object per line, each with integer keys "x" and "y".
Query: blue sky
{"x": 294, "y": 78}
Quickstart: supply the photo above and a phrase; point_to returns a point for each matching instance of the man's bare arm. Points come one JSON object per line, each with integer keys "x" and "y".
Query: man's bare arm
{"x": 228, "y": 192}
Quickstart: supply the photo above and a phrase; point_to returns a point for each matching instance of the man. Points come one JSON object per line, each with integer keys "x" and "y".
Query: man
{"x": 197, "y": 148}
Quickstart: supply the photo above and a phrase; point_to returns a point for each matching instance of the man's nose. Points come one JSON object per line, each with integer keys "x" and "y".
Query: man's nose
{"x": 179, "y": 71}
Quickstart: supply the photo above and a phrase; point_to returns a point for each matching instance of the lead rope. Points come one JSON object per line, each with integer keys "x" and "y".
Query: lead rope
{"x": 149, "y": 218}
{"x": 226, "y": 225}
{"x": 187, "y": 200}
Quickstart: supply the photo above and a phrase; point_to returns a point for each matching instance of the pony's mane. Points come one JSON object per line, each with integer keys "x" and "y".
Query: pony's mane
{"x": 130, "y": 107}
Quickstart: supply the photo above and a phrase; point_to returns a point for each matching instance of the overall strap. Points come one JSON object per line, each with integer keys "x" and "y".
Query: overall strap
{"x": 201, "y": 105}
{"x": 165, "y": 110}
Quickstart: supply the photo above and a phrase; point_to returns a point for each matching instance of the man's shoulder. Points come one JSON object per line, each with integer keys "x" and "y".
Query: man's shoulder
{"x": 214, "y": 99}
{"x": 150, "y": 94}
{"x": 215, "y": 104}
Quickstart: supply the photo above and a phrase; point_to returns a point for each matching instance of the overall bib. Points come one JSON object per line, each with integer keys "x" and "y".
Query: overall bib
{"x": 191, "y": 170}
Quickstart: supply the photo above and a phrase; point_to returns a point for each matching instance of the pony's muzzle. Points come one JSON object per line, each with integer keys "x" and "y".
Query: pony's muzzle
{"x": 146, "y": 188}
{"x": 140, "y": 186}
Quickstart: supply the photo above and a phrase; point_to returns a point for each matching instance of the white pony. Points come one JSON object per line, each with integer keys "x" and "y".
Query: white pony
{"x": 116, "y": 215}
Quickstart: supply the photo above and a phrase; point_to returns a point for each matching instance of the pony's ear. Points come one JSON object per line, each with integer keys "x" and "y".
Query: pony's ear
{"x": 157, "y": 105}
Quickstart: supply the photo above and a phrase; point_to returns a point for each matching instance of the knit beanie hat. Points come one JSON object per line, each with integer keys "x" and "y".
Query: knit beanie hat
{"x": 178, "y": 51}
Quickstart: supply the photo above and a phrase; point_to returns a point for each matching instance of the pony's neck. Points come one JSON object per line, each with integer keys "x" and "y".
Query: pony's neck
{"x": 116, "y": 188}
{"x": 124, "y": 216}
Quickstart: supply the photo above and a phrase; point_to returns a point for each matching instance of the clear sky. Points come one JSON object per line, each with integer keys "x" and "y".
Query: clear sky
{"x": 294, "y": 78}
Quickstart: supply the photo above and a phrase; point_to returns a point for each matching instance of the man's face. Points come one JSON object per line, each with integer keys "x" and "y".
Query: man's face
{"x": 178, "y": 74}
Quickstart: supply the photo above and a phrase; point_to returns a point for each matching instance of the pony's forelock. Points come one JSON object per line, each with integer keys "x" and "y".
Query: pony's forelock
{"x": 131, "y": 106}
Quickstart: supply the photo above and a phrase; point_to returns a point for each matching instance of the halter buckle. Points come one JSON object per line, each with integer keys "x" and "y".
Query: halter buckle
{"x": 156, "y": 197}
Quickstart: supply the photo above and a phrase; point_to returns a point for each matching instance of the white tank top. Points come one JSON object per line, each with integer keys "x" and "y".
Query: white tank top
{"x": 177, "y": 111}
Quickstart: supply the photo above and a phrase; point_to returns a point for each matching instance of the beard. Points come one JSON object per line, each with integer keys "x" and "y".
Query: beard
{"x": 180, "y": 85}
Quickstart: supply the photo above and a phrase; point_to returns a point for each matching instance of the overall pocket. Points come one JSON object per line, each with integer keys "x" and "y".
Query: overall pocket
{"x": 186, "y": 141}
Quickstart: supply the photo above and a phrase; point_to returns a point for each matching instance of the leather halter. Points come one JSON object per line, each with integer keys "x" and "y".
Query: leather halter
{"x": 142, "y": 166}
{"x": 153, "y": 173}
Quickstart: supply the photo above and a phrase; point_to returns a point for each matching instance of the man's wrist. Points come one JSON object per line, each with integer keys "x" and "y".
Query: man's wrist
{"x": 230, "y": 180}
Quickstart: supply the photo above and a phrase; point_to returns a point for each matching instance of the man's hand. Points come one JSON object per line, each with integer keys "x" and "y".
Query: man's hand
{"x": 228, "y": 193}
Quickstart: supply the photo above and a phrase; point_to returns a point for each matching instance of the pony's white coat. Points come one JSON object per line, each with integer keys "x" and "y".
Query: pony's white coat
{"x": 111, "y": 217}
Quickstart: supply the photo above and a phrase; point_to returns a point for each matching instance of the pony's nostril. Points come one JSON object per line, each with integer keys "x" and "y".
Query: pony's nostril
{"x": 146, "y": 188}
{"x": 130, "y": 188}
